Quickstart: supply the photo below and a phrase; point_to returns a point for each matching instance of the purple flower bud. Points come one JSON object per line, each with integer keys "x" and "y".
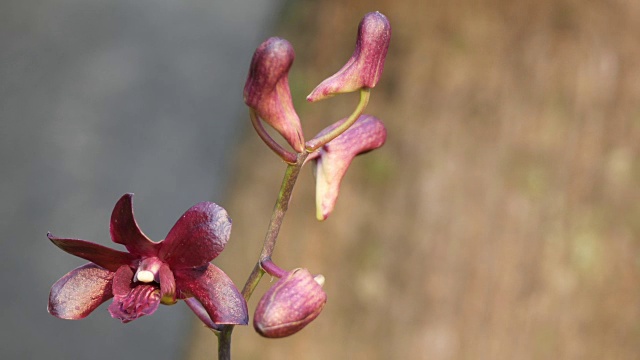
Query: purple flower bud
{"x": 267, "y": 89}
{"x": 364, "y": 68}
{"x": 292, "y": 303}
{"x": 334, "y": 158}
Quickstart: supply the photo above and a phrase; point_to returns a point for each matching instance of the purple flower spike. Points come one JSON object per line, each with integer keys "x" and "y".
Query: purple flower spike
{"x": 152, "y": 273}
{"x": 333, "y": 159}
{"x": 289, "y": 305}
{"x": 364, "y": 68}
{"x": 267, "y": 89}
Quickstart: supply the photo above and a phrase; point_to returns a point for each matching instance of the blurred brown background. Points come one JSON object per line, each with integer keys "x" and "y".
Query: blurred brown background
{"x": 502, "y": 218}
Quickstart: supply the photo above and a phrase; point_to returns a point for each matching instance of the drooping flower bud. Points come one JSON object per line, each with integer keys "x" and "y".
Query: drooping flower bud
{"x": 364, "y": 68}
{"x": 267, "y": 89}
{"x": 292, "y": 303}
{"x": 333, "y": 159}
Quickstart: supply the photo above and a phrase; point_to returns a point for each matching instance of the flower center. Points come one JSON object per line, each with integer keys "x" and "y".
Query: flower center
{"x": 148, "y": 270}
{"x": 145, "y": 276}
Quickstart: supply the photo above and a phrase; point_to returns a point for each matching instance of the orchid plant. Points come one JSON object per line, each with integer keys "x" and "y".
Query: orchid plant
{"x": 179, "y": 267}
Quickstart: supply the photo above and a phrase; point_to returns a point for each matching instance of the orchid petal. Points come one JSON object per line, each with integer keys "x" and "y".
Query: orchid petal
{"x": 167, "y": 285}
{"x": 132, "y": 300}
{"x": 100, "y": 255}
{"x": 197, "y": 237}
{"x": 366, "y": 134}
{"x": 122, "y": 281}
{"x": 141, "y": 300}
{"x": 215, "y": 291}
{"x": 80, "y": 292}
{"x": 327, "y": 188}
{"x": 124, "y": 229}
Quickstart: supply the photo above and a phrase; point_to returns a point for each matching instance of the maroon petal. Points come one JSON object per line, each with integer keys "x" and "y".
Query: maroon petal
{"x": 366, "y": 134}
{"x": 80, "y": 292}
{"x": 100, "y": 255}
{"x": 167, "y": 285}
{"x": 125, "y": 230}
{"x": 132, "y": 300}
{"x": 215, "y": 291}
{"x": 197, "y": 237}
{"x": 122, "y": 281}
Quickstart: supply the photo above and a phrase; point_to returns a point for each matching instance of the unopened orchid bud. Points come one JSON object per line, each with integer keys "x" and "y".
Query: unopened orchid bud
{"x": 333, "y": 159}
{"x": 292, "y": 303}
{"x": 364, "y": 68}
{"x": 267, "y": 89}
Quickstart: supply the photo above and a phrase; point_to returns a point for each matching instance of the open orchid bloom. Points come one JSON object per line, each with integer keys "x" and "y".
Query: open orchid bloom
{"x": 290, "y": 304}
{"x": 365, "y": 66}
{"x": 267, "y": 89}
{"x": 151, "y": 273}
{"x": 333, "y": 159}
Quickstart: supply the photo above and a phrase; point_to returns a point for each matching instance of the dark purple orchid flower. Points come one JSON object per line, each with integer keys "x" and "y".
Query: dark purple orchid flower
{"x": 333, "y": 159}
{"x": 150, "y": 272}
{"x": 364, "y": 68}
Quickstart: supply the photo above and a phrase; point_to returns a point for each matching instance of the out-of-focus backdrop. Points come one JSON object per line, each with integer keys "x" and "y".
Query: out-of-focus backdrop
{"x": 99, "y": 98}
{"x": 502, "y": 218}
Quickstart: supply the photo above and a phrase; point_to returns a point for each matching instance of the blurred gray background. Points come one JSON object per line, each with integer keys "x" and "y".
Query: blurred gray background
{"x": 99, "y": 98}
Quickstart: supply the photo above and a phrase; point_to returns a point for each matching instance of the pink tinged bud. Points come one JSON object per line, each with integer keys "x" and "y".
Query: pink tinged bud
{"x": 267, "y": 89}
{"x": 333, "y": 159}
{"x": 364, "y": 68}
{"x": 292, "y": 303}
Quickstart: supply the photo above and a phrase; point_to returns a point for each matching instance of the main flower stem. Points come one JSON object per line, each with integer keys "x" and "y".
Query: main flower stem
{"x": 224, "y": 343}
{"x": 277, "y": 216}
